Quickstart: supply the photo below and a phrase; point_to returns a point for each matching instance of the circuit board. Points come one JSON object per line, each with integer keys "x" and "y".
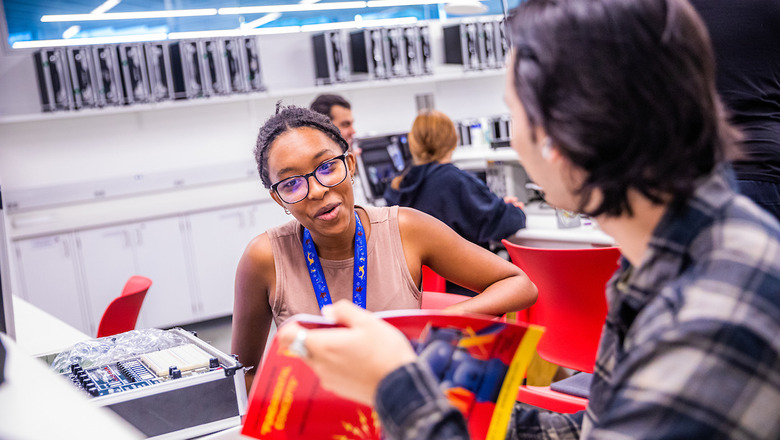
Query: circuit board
{"x": 143, "y": 371}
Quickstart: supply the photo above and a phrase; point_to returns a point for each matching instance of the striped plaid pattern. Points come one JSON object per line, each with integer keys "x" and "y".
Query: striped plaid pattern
{"x": 691, "y": 345}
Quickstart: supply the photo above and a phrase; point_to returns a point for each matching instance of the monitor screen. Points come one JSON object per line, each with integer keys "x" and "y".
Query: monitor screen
{"x": 382, "y": 158}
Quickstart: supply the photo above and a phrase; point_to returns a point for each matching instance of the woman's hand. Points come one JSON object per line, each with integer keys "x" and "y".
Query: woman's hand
{"x": 514, "y": 201}
{"x": 352, "y": 360}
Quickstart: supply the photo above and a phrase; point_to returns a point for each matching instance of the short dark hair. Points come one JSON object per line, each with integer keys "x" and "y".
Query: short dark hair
{"x": 626, "y": 90}
{"x": 288, "y": 118}
{"x": 323, "y": 103}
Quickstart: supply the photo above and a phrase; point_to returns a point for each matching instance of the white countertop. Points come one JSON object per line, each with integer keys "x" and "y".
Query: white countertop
{"x": 542, "y": 231}
{"x": 39, "y": 333}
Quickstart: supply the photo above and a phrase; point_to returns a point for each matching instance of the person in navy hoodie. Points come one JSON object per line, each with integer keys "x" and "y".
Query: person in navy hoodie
{"x": 437, "y": 187}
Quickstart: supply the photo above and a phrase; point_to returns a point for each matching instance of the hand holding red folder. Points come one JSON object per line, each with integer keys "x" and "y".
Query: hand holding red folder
{"x": 364, "y": 340}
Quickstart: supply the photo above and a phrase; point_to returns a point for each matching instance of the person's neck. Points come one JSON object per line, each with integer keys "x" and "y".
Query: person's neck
{"x": 338, "y": 247}
{"x": 633, "y": 233}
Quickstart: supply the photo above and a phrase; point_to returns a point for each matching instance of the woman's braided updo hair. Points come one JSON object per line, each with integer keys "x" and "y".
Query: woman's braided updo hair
{"x": 287, "y": 118}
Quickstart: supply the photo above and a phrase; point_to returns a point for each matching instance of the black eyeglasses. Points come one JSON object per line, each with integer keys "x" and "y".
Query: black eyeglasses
{"x": 296, "y": 188}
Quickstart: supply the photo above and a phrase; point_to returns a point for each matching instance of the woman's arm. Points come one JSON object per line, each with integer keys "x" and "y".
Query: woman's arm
{"x": 252, "y": 313}
{"x": 503, "y": 286}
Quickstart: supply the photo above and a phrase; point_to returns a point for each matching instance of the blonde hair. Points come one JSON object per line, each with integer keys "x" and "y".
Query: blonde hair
{"x": 432, "y": 137}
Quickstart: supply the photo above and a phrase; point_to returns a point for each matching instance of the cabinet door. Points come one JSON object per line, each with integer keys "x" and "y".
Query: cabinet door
{"x": 161, "y": 257}
{"x": 109, "y": 261}
{"x": 48, "y": 278}
{"x": 218, "y": 239}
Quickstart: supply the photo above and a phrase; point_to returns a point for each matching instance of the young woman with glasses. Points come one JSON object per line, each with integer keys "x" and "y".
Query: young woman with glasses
{"x": 335, "y": 250}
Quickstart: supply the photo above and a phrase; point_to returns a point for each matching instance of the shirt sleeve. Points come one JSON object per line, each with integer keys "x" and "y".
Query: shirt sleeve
{"x": 532, "y": 424}
{"x": 482, "y": 214}
{"x": 411, "y": 407}
{"x": 701, "y": 379}
{"x": 391, "y": 196}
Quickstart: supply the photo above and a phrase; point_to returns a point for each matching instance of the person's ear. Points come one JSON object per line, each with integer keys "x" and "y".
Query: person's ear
{"x": 351, "y": 164}
{"x": 548, "y": 151}
{"x": 546, "y": 148}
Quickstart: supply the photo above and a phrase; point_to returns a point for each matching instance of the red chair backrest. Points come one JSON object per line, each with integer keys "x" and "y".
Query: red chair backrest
{"x": 572, "y": 303}
{"x": 122, "y": 314}
{"x": 432, "y": 282}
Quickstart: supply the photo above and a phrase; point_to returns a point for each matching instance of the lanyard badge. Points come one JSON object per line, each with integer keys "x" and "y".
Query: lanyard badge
{"x": 318, "y": 276}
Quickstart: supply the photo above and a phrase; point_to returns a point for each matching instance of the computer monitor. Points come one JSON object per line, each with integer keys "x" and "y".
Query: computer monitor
{"x": 382, "y": 158}
{"x": 6, "y": 302}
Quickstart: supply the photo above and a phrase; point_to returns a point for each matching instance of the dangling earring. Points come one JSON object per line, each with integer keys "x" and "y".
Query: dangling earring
{"x": 353, "y": 179}
{"x": 286, "y": 211}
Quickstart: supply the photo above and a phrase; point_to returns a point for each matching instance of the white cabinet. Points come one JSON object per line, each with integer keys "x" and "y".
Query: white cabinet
{"x": 107, "y": 256}
{"x": 154, "y": 249}
{"x": 218, "y": 239}
{"x": 191, "y": 260}
{"x": 160, "y": 253}
{"x": 49, "y": 277}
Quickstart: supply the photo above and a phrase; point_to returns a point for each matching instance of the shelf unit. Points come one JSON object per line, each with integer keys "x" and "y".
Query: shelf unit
{"x": 443, "y": 74}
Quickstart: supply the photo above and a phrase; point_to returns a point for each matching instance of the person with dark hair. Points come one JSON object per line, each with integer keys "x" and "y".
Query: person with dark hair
{"x": 339, "y": 111}
{"x": 435, "y": 186}
{"x": 745, "y": 36}
{"x": 333, "y": 249}
{"x": 615, "y": 115}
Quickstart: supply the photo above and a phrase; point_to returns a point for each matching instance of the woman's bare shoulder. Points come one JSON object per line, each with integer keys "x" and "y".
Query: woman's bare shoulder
{"x": 258, "y": 254}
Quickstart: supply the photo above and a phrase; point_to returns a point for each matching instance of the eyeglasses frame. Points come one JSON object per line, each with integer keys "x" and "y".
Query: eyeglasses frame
{"x": 342, "y": 157}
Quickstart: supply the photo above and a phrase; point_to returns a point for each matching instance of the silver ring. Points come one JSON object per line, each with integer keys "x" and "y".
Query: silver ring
{"x": 298, "y": 345}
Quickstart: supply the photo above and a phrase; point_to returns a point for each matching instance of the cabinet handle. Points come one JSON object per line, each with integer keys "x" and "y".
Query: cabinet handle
{"x": 139, "y": 237}
{"x": 65, "y": 249}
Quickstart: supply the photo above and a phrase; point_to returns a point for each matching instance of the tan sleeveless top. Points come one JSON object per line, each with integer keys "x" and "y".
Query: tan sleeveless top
{"x": 389, "y": 285}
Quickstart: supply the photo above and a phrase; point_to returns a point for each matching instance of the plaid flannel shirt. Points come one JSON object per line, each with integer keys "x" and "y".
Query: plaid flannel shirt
{"x": 690, "y": 347}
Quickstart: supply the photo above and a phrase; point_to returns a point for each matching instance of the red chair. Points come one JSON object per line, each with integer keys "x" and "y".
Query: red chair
{"x": 432, "y": 282}
{"x": 122, "y": 314}
{"x": 572, "y": 306}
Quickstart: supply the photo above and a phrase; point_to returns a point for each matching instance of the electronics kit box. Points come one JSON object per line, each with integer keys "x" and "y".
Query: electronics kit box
{"x": 185, "y": 390}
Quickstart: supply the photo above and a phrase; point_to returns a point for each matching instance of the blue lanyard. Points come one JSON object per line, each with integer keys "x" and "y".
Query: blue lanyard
{"x": 318, "y": 277}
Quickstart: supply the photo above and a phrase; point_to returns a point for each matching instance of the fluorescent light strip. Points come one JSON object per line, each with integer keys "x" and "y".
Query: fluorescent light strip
{"x": 292, "y": 29}
{"x": 265, "y": 19}
{"x": 85, "y": 41}
{"x": 129, "y": 15}
{"x": 108, "y": 4}
{"x": 233, "y": 32}
{"x": 389, "y": 3}
{"x": 75, "y": 29}
{"x": 291, "y": 8}
{"x": 71, "y": 31}
{"x": 358, "y": 24}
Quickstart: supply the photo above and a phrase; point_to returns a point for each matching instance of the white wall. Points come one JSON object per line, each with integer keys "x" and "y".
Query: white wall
{"x": 39, "y": 150}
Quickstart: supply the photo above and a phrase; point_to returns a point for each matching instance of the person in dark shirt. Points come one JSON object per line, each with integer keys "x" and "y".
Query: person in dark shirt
{"x": 339, "y": 111}
{"x": 745, "y": 35}
{"x": 437, "y": 187}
